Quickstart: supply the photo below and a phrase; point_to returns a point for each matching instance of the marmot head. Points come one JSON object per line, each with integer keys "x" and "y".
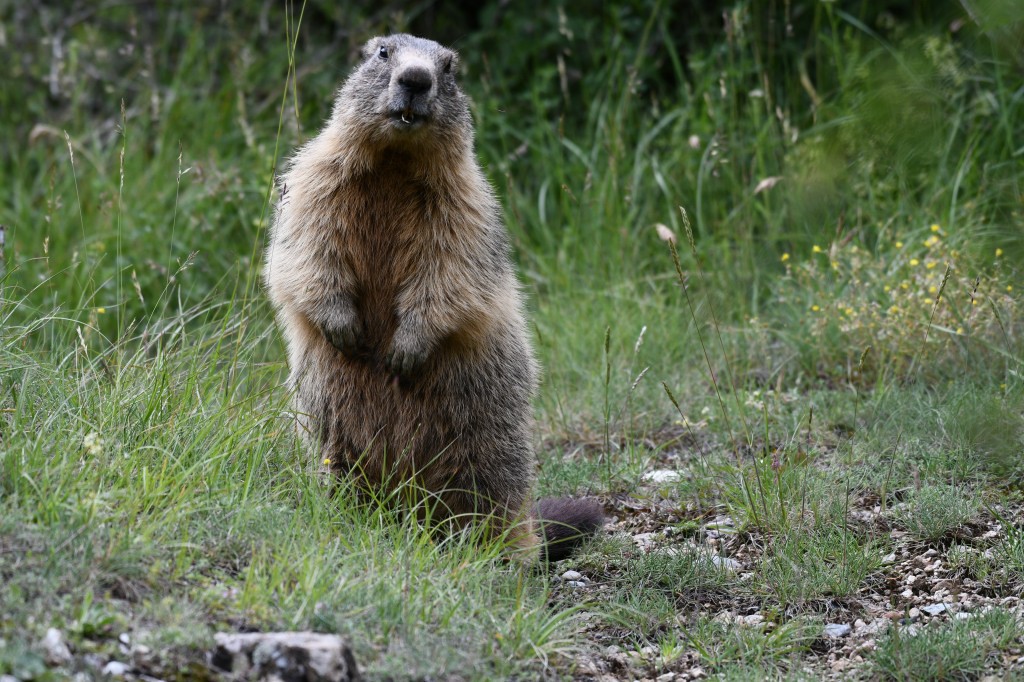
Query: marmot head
{"x": 404, "y": 92}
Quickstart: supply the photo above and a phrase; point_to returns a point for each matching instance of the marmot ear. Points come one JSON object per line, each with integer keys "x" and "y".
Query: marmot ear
{"x": 369, "y": 49}
{"x": 450, "y": 64}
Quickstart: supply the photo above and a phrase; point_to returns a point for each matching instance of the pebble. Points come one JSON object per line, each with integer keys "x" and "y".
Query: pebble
{"x": 116, "y": 669}
{"x": 837, "y": 630}
{"x": 645, "y": 541}
{"x": 752, "y": 620}
{"x": 94, "y": 661}
{"x": 9, "y": 678}
{"x": 889, "y": 558}
{"x": 726, "y": 563}
{"x": 662, "y": 476}
{"x": 575, "y": 583}
{"x": 868, "y": 645}
{"x": 914, "y": 613}
{"x": 572, "y": 575}
{"x": 667, "y": 677}
{"x": 935, "y": 609}
{"x": 55, "y": 650}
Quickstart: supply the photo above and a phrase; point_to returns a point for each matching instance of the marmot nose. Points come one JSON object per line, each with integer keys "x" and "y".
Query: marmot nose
{"x": 415, "y": 80}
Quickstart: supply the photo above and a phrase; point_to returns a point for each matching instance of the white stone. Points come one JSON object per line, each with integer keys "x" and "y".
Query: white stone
{"x": 572, "y": 575}
{"x": 662, "y": 476}
{"x": 837, "y": 630}
{"x": 116, "y": 669}
{"x": 725, "y": 563}
{"x": 297, "y": 656}
{"x": 55, "y": 650}
{"x": 935, "y": 609}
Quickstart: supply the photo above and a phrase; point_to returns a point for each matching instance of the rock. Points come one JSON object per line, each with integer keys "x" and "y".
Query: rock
{"x": 662, "y": 476}
{"x": 572, "y": 575}
{"x": 935, "y": 609}
{"x": 835, "y": 630}
{"x": 9, "y": 678}
{"x": 667, "y": 677}
{"x": 575, "y": 583}
{"x": 889, "y": 558}
{"x": 116, "y": 669}
{"x": 645, "y": 541}
{"x": 754, "y": 620}
{"x": 55, "y": 650}
{"x": 914, "y": 613}
{"x": 295, "y": 656}
{"x": 839, "y": 665}
{"x": 725, "y": 563}
{"x": 868, "y": 645}
{"x": 93, "y": 660}
{"x": 907, "y": 593}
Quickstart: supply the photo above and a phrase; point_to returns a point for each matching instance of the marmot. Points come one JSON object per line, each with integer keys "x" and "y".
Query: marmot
{"x": 390, "y": 269}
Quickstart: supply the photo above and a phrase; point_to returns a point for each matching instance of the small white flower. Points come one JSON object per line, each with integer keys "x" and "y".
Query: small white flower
{"x": 92, "y": 443}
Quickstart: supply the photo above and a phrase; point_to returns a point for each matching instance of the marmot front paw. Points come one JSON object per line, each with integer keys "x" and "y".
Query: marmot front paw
{"x": 346, "y": 336}
{"x": 405, "y": 356}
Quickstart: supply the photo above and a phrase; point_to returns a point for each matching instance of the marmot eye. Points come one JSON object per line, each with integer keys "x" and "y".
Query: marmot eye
{"x": 383, "y": 53}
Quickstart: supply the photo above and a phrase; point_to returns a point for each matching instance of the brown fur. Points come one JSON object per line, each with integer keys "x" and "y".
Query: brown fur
{"x": 389, "y": 267}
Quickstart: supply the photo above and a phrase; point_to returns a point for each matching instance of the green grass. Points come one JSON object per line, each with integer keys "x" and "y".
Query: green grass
{"x": 955, "y": 651}
{"x": 842, "y": 344}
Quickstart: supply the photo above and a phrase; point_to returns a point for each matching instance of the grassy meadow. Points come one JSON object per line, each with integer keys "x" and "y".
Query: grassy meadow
{"x": 773, "y": 252}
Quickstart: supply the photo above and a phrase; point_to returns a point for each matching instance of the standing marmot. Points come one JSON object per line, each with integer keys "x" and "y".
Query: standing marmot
{"x": 389, "y": 267}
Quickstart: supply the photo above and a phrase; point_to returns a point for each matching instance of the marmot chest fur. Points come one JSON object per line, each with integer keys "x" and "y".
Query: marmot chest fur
{"x": 389, "y": 267}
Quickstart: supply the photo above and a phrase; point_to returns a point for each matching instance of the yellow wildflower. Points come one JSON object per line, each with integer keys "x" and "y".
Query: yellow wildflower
{"x": 932, "y": 289}
{"x": 999, "y": 252}
{"x": 899, "y": 245}
{"x": 101, "y": 310}
{"x": 959, "y": 330}
{"x": 931, "y": 241}
{"x": 785, "y": 257}
{"x": 1009, "y": 287}
{"x": 887, "y": 288}
{"x": 930, "y": 264}
{"x": 914, "y": 262}
{"x": 815, "y": 308}
{"x": 935, "y": 228}
{"x": 893, "y": 309}
{"x": 816, "y": 249}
